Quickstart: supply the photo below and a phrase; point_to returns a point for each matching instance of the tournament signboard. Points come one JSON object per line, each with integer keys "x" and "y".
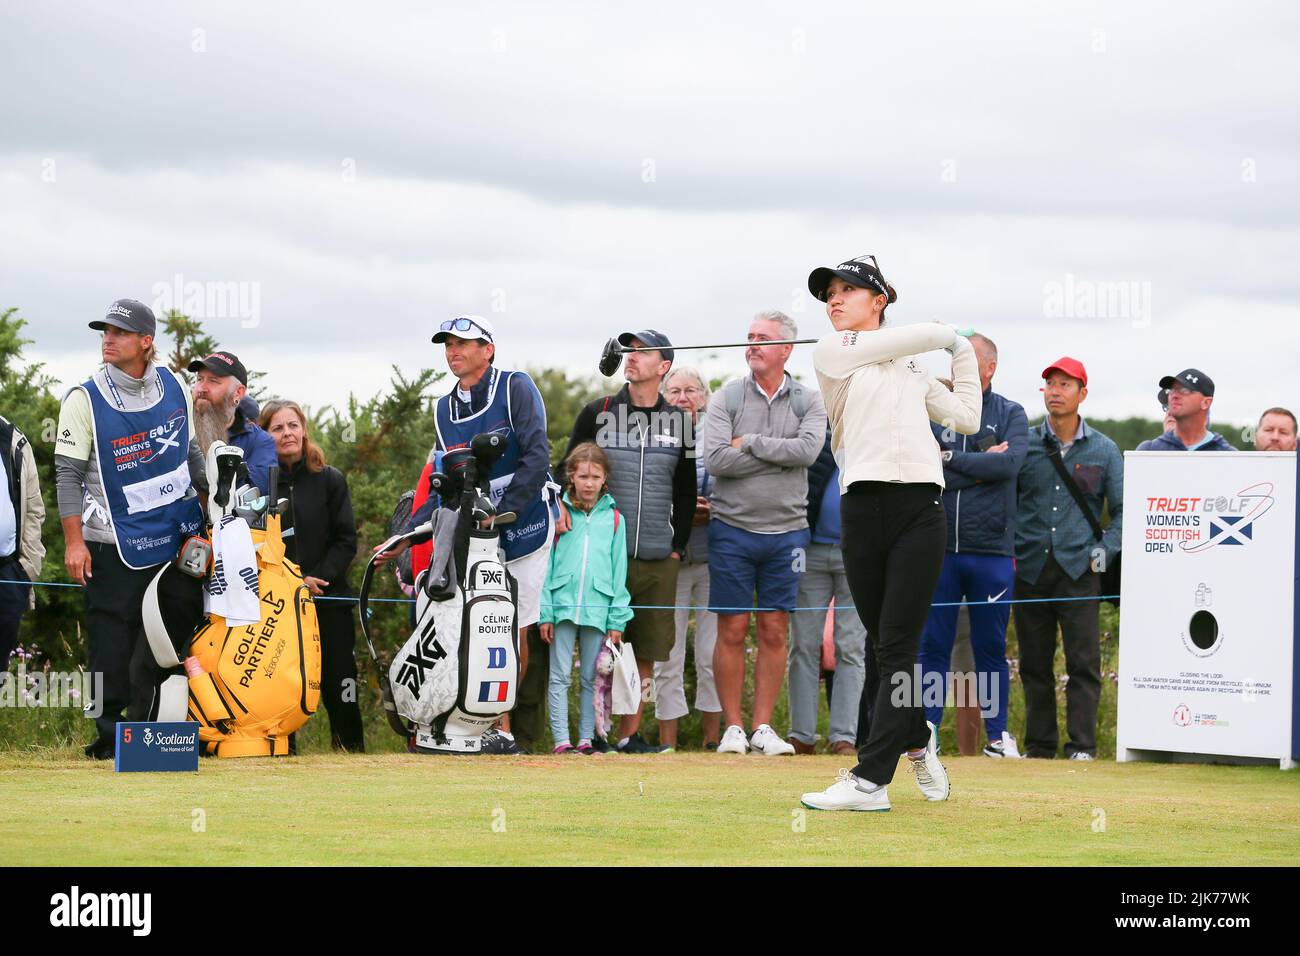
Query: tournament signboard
{"x": 1208, "y": 629}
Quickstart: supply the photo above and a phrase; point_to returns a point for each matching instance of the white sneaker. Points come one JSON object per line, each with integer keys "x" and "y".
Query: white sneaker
{"x": 1081, "y": 755}
{"x": 846, "y": 794}
{"x": 766, "y": 742}
{"x": 930, "y": 775}
{"x": 733, "y": 741}
{"x": 1006, "y": 747}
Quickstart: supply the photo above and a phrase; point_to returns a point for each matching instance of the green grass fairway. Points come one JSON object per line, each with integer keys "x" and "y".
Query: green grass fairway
{"x": 620, "y": 811}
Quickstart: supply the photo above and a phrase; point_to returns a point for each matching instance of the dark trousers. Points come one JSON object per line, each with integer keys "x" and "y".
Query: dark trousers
{"x": 867, "y": 702}
{"x": 528, "y": 719}
{"x": 1036, "y": 626}
{"x": 114, "y": 596}
{"x": 338, "y": 674}
{"x": 893, "y": 537}
{"x": 13, "y": 602}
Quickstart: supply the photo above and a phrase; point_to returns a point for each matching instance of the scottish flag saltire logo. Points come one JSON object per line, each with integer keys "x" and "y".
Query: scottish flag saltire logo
{"x": 1237, "y": 529}
{"x": 1231, "y": 530}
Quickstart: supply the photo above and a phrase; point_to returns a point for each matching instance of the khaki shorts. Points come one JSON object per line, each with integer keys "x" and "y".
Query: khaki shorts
{"x": 529, "y": 573}
{"x": 652, "y": 633}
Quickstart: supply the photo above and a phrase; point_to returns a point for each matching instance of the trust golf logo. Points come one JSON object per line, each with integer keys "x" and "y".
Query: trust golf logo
{"x": 1194, "y": 524}
{"x": 131, "y": 451}
{"x": 77, "y": 909}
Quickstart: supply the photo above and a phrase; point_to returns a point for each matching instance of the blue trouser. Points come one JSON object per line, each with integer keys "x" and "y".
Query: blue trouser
{"x": 557, "y": 691}
{"x": 986, "y": 582}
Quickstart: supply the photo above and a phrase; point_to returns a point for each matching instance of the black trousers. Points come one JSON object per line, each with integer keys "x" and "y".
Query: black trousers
{"x": 867, "y": 702}
{"x": 528, "y": 719}
{"x": 1036, "y": 626}
{"x": 893, "y": 537}
{"x": 114, "y": 632}
{"x": 339, "y": 688}
{"x": 13, "y": 603}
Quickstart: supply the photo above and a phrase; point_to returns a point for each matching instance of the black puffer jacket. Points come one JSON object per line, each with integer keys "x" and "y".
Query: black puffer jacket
{"x": 324, "y": 539}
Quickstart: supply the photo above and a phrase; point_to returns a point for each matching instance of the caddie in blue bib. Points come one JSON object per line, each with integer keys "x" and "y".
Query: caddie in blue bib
{"x": 143, "y": 459}
{"x": 531, "y": 530}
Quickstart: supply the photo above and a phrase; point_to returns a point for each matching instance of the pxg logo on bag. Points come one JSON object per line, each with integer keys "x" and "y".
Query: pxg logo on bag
{"x": 157, "y": 745}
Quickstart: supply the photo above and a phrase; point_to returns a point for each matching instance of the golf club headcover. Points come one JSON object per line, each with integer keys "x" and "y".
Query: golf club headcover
{"x": 223, "y": 480}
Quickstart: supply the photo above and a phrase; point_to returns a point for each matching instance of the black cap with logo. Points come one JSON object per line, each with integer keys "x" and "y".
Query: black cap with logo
{"x": 863, "y": 272}
{"x": 222, "y": 363}
{"x": 1190, "y": 378}
{"x": 651, "y": 339}
{"x": 128, "y": 315}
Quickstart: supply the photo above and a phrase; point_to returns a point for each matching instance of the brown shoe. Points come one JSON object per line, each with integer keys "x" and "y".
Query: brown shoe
{"x": 842, "y": 748}
{"x": 801, "y": 748}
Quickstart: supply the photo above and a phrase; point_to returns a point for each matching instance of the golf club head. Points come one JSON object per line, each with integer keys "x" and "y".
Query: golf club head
{"x": 483, "y": 509}
{"x": 611, "y": 357}
{"x": 251, "y": 517}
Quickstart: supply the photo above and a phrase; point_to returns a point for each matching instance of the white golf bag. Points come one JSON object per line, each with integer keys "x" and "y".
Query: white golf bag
{"x": 458, "y": 671}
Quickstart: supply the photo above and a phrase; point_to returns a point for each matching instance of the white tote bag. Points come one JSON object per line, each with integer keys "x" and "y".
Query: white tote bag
{"x": 627, "y": 680}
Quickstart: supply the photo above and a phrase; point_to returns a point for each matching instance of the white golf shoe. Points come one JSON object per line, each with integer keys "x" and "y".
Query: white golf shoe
{"x": 733, "y": 741}
{"x": 766, "y": 742}
{"x": 1006, "y": 747}
{"x": 847, "y": 793}
{"x": 931, "y": 777}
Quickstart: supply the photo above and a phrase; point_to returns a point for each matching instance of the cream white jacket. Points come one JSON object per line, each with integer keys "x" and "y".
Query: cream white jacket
{"x": 881, "y": 400}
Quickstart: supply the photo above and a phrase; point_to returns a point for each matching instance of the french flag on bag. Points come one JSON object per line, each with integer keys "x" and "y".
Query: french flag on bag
{"x": 493, "y": 691}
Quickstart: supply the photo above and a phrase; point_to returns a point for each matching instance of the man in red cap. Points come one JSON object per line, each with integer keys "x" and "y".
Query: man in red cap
{"x": 1059, "y": 556}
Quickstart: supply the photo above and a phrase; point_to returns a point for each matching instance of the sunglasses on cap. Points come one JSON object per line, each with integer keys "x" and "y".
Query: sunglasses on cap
{"x": 464, "y": 325}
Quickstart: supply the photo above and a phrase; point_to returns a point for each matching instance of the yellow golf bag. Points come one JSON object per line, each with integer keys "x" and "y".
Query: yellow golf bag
{"x": 248, "y": 687}
{"x": 261, "y": 682}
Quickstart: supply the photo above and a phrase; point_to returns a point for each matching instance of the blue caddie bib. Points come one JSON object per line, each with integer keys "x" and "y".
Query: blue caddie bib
{"x": 532, "y": 529}
{"x": 144, "y": 464}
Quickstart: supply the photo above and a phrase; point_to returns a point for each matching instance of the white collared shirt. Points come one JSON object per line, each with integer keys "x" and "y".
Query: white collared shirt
{"x": 785, "y": 384}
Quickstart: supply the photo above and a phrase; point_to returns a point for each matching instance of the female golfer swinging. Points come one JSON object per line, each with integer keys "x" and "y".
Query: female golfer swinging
{"x": 880, "y": 402}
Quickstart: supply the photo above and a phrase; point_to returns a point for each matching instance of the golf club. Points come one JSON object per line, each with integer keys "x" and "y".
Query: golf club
{"x": 611, "y": 357}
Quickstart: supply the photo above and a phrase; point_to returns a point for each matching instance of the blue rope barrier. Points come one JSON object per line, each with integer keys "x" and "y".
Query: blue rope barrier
{"x": 676, "y": 607}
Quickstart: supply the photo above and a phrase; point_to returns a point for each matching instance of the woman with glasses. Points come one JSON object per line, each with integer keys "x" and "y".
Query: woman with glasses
{"x": 685, "y": 387}
{"x": 880, "y": 402}
{"x": 323, "y": 544}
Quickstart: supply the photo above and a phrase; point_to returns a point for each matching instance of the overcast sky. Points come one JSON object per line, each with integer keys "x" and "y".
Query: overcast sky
{"x": 1116, "y": 184}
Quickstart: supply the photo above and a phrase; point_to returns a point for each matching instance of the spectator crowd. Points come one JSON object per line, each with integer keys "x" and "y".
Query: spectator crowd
{"x": 678, "y": 518}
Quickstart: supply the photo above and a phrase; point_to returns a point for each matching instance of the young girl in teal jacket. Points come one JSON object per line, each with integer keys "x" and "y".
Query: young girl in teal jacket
{"x": 585, "y": 598}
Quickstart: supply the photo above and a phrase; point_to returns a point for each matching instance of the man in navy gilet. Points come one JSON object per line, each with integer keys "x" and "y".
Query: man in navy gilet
{"x": 126, "y": 469}
{"x": 980, "y": 473}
